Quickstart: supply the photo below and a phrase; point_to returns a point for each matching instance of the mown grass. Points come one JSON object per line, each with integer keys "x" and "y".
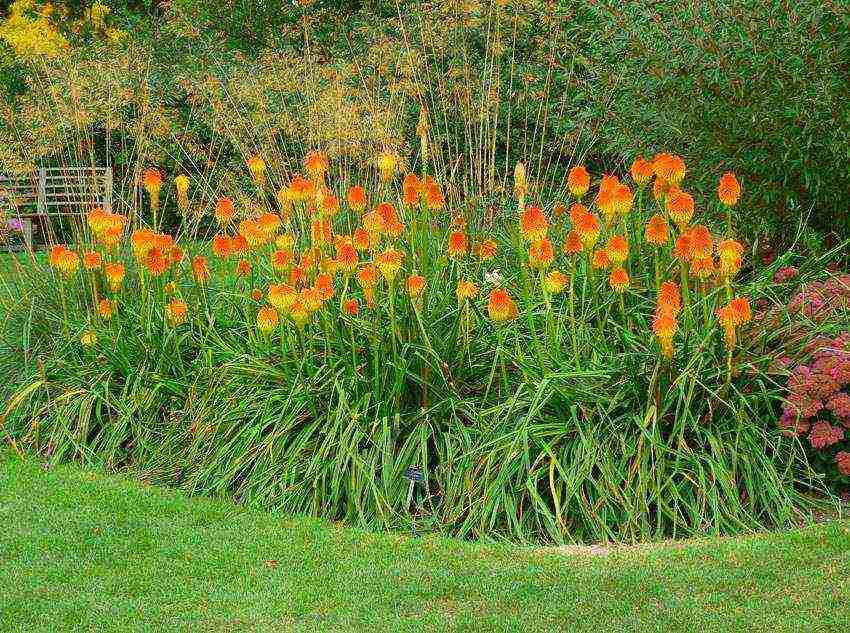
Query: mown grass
{"x": 85, "y": 551}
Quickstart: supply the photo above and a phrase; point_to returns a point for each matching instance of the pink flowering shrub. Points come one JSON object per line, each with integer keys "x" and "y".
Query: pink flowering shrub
{"x": 817, "y": 408}
{"x": 819, "y": 300}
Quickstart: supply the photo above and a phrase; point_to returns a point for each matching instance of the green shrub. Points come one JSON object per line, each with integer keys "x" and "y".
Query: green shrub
{"x": 756, "y": 85}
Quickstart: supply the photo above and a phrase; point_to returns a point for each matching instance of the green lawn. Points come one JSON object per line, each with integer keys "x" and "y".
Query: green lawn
{"x": 86, "y": 551}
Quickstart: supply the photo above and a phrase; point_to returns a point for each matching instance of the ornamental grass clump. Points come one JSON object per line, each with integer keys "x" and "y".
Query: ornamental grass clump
{"x": 300, "y": 339}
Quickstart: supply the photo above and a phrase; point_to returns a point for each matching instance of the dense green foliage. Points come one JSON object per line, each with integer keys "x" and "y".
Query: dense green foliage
{"x": 757, "y": 86}
{"x": 82, "y": 551}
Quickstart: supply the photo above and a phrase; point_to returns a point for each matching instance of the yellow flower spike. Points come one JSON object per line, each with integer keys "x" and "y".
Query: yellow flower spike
{"x": 88, "y": 339}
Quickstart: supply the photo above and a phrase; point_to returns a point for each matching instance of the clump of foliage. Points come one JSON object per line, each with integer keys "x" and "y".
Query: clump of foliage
{"x": 312, "y": 340}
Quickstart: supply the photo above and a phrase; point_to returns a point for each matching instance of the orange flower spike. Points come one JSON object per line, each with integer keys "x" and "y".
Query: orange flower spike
{"x": 222, "y": 246}
{"x": 683, "y": 250}
{"x": 361, "y": 239}
{"x": 152, "y": 182}
{"x": 677, "y": 169}
{"x": 394, "y": 229}
{"x": 664, "y": 326}
{"x": 330, "y": 205}
{"x": 458, "y": 245}
{"x": 114, "y": 273}
{"x": 487, "y": 250}
{"x": 743, "y": 311}
{"x": 300, "y": 312}
{"x": 239, "y": 244}
{"x": 555, "y": 282}
{"x": 350, "y": 307}
{"x": 156, "y": 262}
{"x": 316, "y": 164}
{"x": 224, "y": 211}
{"x": 309, "y": 259}
{"x": 578, "y": 181}
{"x": 731, "y": 316}
{"x": 281, "y": 260}
{"x": 680, "y": 206}
{"x": 731, "y": 254}
{"x": 623, "y": 200}
{"x": 201, "y": 270}
{"x": 606, "y": 196}
{"x": 501, "y": 307}
{"x": 346, "y": 257}
{"x": 142, "y": 241}
{"x": 600, "y": 259}
{"x": 728, "y": 189}
{"x": 373, "y": 224}
{"x": 533, "y": 224}
{"x": 357, "y": 199}
{"x": 387, "y": 212}
{"x": 702, "y": 246}
{"x": 541, "y": 254}
{"x": 641, "y": 171}
{"x": 311, "y": 298}
{"x": 433, "y": 196}
{"x": 104, "y": 309}
{"x": 267, "y": 319}
{"x": 465, "y": 291}
{"x": 176, "y": 311}
{"x": 573, "y": 244}
{"x": 367, "y": 276}
{"x": 92, "y": 261}
{"x": 281, "y": 296}
{"x": 670, "y": 297}
{"x": 669, "y": 168}
{"x": 413, "y": 189}
{"x": 618, "y": 249}
{"x": 587, "y": 226}
{"x": 415, "y": 285}
{"x": 269, "y": 223}
{"x": 325, "y": 286}
{"x": 301, "y": 188}
{"x": 389, "y": 263}
{"x": 619, "y": 279}
{"x": 256, "y": 295}
{"x": 96, "y": 220}
{"x": 702, "y": 267}
{"x": 577, "y": 211}
{"x": 657, "y": 230}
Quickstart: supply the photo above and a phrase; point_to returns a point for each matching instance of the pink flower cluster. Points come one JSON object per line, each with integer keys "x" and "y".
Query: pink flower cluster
{"x": 818, "y": 403}
{"x": 786, "y": 274}
{"x": 819, "y": 300}
{"x": 842, "y": 460}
